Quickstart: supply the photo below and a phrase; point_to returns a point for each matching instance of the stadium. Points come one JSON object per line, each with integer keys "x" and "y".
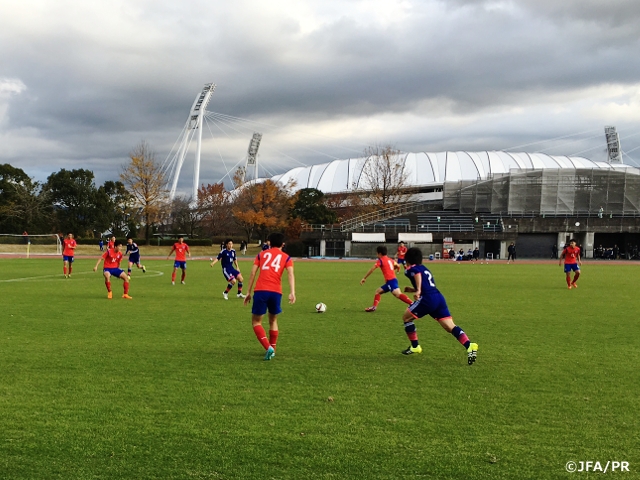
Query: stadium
{"x": 484, "y": 199}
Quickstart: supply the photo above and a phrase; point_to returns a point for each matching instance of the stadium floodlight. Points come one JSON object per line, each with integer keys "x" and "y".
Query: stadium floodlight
{"x": 252, "y": 153}
{"x": 613, "y": 145}
{"x": 194, "y": 125}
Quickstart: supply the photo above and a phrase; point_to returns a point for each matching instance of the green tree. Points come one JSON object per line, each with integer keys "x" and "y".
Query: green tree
{"x": 309, "y": 206}
{"x": 74, "y": 197}
{"x": 115, "y": 207}
{"x": 18, "y": 195}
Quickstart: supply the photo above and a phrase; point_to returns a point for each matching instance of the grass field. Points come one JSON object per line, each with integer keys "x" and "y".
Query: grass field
{"x": 172, "y": 384}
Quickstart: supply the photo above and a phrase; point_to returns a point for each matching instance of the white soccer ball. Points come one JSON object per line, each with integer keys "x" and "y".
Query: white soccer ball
{"x": 321, "y": 308}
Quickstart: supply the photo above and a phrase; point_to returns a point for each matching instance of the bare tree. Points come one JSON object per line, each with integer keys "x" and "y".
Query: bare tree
{"x": 385, "y": 178}
{"x": 147, "y": 183}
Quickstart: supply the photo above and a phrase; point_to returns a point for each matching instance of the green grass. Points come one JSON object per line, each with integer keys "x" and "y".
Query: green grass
{"x": 172, "y": 384}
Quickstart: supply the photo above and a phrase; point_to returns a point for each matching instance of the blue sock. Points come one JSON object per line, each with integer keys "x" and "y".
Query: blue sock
{"x": 239, "y": 287}
{"x": 229, "y": 287}
{"x": 410, "y": 329}
{"x": 461, "y": 336}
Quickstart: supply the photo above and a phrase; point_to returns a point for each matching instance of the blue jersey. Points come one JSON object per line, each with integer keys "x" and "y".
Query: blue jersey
{"x": 227, "y": 257}
{"x": 265, "y": 247}
{"x": 428, "y": 285}
{"x": 133, "y": 249}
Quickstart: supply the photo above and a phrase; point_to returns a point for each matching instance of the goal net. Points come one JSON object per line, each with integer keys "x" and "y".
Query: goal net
{"x": 49, "y": 244}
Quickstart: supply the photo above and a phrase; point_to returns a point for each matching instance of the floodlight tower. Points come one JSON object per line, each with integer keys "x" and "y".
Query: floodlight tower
{"x": 194, "y": 124}
{"x": 252, "y": 154}
{"x": 613, "y": 145}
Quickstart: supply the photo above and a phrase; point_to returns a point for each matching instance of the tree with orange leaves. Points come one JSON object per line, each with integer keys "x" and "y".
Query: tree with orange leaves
{"x": 262, "y": 207}
{"x": 146, "y": 182}
{"x": 213, "y": 206}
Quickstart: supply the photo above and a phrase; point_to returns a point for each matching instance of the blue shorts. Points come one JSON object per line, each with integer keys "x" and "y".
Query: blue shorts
{"x": 390, "y": 286}
{"x": 571, "y": 266}
{"x": 115, "y": 272}
{"x": 264, "y": 300}
{"x": 230, "y": 273}
{"x": 434, "y": 305}
{"x": 134, "y": 258}
{"x": 401, "y": 261}
{"x": 67, "y": 258}
{"x": 182, "y": 265}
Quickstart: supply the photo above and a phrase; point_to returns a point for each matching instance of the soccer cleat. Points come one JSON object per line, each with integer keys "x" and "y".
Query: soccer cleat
{"x": 569, "y": 287}
{"x": 270, "y": 353}
{"x": 412, "y": 350}
{"x": 129, "y": 277}
{"x": 472, "y": 353}
{"x": 574, "y": 285}
{"x": 173, "y": 283}
{"x": 241, "y": 295}
{"x": 126, "y": 295}
{"x": 144, "y": 269}
{"x": 224, "y": 294}
{"x": 110, "y": 295}
{"x": 182, "y": 282}
{"x": 370, "y": 309}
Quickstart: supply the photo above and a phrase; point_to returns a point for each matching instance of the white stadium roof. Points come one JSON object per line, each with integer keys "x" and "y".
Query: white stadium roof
{"x": 434, "y": 169}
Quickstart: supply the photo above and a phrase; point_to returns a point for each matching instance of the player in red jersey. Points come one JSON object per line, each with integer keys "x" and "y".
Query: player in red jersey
{"x": 402, "y": 251}
{"x": 388, "y": 267}
{"x": 112, "y": 258}
{"x": 69, "y": 245}
{"x": 182, "y": 250}
{"x": 571, "y": 257}
{"x": 268, "y": 293}
{"x": 111, "y": 243}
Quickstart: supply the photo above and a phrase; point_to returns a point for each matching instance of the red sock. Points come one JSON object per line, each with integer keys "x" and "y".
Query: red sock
{"x": 273, "y": 338}
{"x": 262, "y": 336}
{"x": 569, "y": 280}
{"x": 70, "y": 270}
{"x": 575, "y": 277}
{"x": 64, "y": 269}
{"x": 184, "y": 274}
{"x": 405, "y": 299}
{"x": 376, "y": 300}
{"x": 126, "y": 288}
{"x": 108, "y": 284}
{"x": 173, "y": 276}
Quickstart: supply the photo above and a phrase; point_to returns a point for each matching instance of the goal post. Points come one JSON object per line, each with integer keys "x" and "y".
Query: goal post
{"x": 11, "y": 244}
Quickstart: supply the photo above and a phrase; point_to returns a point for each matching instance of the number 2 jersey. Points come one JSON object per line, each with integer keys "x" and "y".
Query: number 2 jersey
{"x": 271, "y": 265}
{"x": 428, "y": 285}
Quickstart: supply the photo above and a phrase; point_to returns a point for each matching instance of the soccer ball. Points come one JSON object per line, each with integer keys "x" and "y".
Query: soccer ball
{"x": 321, "y": 308}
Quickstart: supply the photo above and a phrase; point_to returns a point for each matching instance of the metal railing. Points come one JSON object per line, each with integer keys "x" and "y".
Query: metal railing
{"x": 384, "y": 214}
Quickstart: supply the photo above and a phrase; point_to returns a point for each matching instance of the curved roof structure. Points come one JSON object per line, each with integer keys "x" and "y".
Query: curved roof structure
{"x": 433, "y": 168}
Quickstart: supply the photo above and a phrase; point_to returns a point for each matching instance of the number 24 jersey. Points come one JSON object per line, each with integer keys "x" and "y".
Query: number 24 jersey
{"x": 271, "y": 265}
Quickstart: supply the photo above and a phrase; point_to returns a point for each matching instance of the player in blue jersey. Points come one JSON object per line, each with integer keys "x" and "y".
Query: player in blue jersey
{"x": 429, "y": 301}
{"x": 266, "y": 245}
{"x": 134, "y": 257}
{"x": 230, "y": 268}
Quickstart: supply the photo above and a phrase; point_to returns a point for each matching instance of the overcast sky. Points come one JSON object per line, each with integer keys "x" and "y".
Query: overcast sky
{"x": 83, "y": 82}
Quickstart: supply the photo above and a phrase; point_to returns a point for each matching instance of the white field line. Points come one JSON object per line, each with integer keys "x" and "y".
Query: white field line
{"x": 49, "y": 278}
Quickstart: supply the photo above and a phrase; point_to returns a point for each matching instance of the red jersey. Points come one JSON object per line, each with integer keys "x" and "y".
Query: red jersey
{"x": 112, "y": 258}
{"x": 69, "y": 245}
{"x": 272, "y": 263}
{"x": 181, "y": 251}
{"x": 387, "y": 265}
{"x": 402, "y": 250}
{"x": 570, "y": 255}
{"x": 110, "y": 244}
